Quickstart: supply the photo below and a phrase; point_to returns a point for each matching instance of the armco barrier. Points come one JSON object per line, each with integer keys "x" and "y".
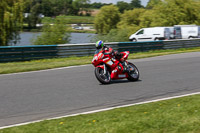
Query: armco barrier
{"x": 25, "y": 53}
{"x": 181, "y": 44}
{"x": 140, "y": 46}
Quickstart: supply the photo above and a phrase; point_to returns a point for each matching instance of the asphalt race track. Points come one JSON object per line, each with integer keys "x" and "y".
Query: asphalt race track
{"x": 39, "y": 95}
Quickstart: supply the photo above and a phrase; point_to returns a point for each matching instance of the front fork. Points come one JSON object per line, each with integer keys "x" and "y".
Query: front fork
{"x": 105, "y": 69}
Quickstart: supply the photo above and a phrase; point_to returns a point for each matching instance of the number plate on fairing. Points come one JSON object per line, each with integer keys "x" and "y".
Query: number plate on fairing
{"x": 122, "y": 76}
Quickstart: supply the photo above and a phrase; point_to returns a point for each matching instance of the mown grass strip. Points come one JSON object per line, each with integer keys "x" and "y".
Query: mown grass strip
{"x": 180, "y": 115}
{"x": 15, "y": 67}
{"x": 72, "y": 19}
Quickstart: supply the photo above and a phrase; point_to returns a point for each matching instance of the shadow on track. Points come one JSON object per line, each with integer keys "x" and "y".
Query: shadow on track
{"x": 120, "y": 81}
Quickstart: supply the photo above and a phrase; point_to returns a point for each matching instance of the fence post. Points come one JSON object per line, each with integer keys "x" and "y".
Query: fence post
{"x": 23, "y": 56}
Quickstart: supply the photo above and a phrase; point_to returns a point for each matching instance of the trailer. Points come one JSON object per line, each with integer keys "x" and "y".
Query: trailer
{"x": 186, "y": 31}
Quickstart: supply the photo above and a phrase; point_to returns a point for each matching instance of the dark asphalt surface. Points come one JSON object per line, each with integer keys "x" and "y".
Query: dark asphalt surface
{"x": 39, "y": 95}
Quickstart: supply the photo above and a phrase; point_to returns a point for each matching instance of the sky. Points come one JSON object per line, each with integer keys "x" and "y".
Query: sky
{"x": 143, "y": 2}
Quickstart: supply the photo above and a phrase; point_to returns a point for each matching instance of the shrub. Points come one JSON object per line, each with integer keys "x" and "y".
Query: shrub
{"x": 53, "y": 34}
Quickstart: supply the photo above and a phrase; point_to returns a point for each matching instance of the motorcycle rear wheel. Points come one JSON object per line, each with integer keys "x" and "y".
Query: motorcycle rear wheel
{"x": 134, "y": 74}
{"x": 101, "y": 77}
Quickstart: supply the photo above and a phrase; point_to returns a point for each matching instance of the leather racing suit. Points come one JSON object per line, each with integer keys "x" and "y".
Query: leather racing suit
{"x": 119, "y": 56}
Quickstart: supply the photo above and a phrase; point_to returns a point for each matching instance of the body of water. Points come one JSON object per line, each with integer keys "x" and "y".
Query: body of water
{"x": 75, "y": 38}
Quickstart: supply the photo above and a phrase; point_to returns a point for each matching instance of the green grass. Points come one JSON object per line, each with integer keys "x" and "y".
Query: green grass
{"x": 72, "y": 19}
{"x": 181, "y": 115}
{"x": 81, "y": 31}
{"x": 14, "y": 67}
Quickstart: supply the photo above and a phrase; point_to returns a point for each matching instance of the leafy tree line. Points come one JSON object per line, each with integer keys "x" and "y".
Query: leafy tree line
{"x": 117, "y": 22}
{"x": 55, "y": 7}
{"x": 11, "y": 19}
{"x": 156, "y": 13}
{"x": 51, "y": 8}
{"x": 122, "y": 5}
{"x": 57, "y": 32}
{"x": 12, "y": 15}
{"x": 14, "y": 12}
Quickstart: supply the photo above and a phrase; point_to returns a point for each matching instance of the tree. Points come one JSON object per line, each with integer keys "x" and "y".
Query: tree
{"x": 130, "y": 20}
{"x": 47, "y": 7}
{"x": 152, "y": 3}
{"x": 53, "y": 34}
{"x": 136, "y": 4}
{"x": 11, "y": 20}
{"x": 33, "y": 7}
{"x": 115, "y": 35}
{"x": 97, "y": 5}
{"x": 107, "y": 19}
{"x": 62, "y": 7}
{"x": 173, "y": 12}
{"x": 146, "y": 18}
{"x": 81, "y": 5}
{"x": 123, "y": 6}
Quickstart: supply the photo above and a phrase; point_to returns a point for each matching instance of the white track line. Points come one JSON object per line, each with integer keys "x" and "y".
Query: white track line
{"x": 100, "y": 110}
{"x": 46, "y": 70}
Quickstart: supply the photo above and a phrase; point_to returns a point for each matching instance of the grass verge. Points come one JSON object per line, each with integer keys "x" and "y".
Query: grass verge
{"x": 181, "y": 115}
{"x": 70, "y": 30}
{"x": 15, "y": 67}
{"x": 71, "y": 19}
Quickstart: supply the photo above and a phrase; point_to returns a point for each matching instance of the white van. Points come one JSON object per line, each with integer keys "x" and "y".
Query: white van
{"x": 151, "y": 34}
{"x": 171, "y": 29}
{"x": 186, "y": 31}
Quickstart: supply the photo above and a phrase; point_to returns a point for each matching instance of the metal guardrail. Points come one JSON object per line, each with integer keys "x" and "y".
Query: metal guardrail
{"x": 176, "y": 44}
{"x": 25, "y": 53}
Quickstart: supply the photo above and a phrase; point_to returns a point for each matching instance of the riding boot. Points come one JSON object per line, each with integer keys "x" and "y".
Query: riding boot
{"x": 125, "y": 67}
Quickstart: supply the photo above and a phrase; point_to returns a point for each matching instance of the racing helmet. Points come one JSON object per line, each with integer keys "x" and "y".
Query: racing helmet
{"x": 99, "y": 44}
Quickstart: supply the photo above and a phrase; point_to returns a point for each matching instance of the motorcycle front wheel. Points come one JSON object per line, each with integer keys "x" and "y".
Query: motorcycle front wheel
{"x": 102, "y": 78}
{"x": 133, "y": 74}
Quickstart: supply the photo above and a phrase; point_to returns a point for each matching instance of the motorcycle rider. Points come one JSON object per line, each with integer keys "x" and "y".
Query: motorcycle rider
{"x": 100, "y": 46}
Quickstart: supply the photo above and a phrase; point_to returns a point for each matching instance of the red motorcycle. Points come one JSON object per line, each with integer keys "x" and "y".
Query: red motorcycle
{"x": 108, "y": 68}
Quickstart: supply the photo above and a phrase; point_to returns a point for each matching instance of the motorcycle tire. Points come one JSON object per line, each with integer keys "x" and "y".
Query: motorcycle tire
{"x": 101, "y": 77}
{"x": 133, "y": 75}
